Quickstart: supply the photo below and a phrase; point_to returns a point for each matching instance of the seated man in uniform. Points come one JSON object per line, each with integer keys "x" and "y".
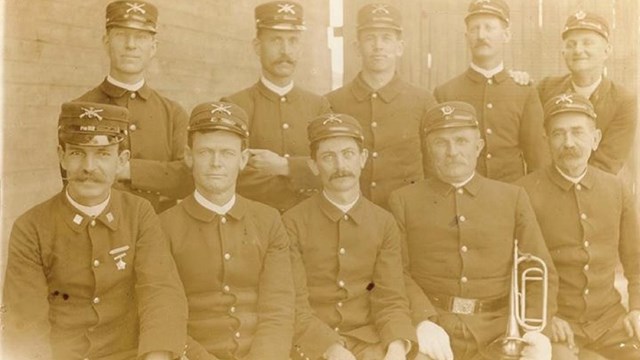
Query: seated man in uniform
{"x": 89, "y": 271}
{"x": 346, "y": 257}
{"x": 589, "y": 222}
{"x": 232, "y": 253}
{"x": 459, "y": 229}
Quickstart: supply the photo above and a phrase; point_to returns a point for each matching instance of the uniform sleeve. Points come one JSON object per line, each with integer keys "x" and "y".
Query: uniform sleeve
{"x": 617, "y": 140}
{"x": 312, "y": 337}
{"x": 420, "y": 306}
{"x": 629, "y": 247}
{"x": 169, "y": 178}
{"x": 26, "y": 328}
{"x": 389, "y": 304}
{"x": 532, "y": 139}
{"x": 195, "y": 351}
{"x": 531, "y": 241}
{"x": 272, "y": 339}
{"x": 162, "y": 305}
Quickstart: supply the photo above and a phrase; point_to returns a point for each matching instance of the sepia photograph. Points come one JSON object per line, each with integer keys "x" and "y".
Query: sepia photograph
{"x": 320, "y": 179}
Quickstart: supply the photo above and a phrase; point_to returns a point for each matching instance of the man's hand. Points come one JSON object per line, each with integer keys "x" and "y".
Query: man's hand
{"x": 632, "y": 323}
{"x": 338, "y": 352}
{"x": 268, "y": 161}
{"x": 396, "y": 351}
{"x": 158, "y": 355}
{"x": 520, "y": 77}
{"x": 433, "y": 341}
{"x": 538, "y": 347}
{"x": 561, "y": 332}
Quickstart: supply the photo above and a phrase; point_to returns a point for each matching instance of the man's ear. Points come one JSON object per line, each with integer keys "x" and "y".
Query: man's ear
{"x": 400, "y": 49}
{"x": 313, "y": 166}
{"x": 123, "y": 158}
{"x": 507, "y": 35}
{"x": 479, "y": 146}
{"x": 154, "y": 46}
{"x": 61, "y": 156}
{"x": 188, "y": 157}
{"x": 257, "y": 46}
{"x": 244, "y": 158}
{"x": 597, "y": 138}
{"x": 364, "y": 155}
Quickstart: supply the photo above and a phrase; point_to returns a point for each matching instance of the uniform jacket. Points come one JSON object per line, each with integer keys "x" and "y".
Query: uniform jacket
{"x": 157, "y": 135}
{"x": 390, "y": 119}
{"x": 63, "y": 286}
{"x": 460, "y": 243}
{"x": 588, "y": 228}
{"x": 237, "y": 277}
{"x": 511, "y": 123}
{"x": 617, "y": 117}
{"x": 354, "y": 277}
{"x": 279, "y": 123}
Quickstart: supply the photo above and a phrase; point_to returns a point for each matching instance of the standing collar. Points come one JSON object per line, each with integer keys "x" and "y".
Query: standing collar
{"x": 563, "y": 183}
{"x": 78, "y": 220}
{"x": 199, "y": 212}
{"x": 575, "y": 180}
{"x": 334, "y": 214}
{"x": 472, "y": 186}
{"x": 292, "y": 95}
{"x": 280, "y": 90}
{"x": 586, "y": 91}
{"x": 114, "y": 91}
{"x": 487, "y": 73}
{"x": 218, "y": 209}
{"x": 131, "y": 87}
{"x": 478, "y": 77}
{"x": 343, "y": 208}
{"x": 362, "y": 91}
{"x": 92, "y": 211}
{"x": 566, "y": 86}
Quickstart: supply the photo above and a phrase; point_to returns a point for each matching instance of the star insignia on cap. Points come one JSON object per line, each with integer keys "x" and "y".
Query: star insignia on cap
{"x": 447, "y": 110}
{"x": 565, "y": 98}
{"x": 136, "y": 7}
{"x": 91, "y": 113}
{"x": 221, "y": 108}
{"x": 286, "y": 8}
{"x": 580, "y": 15}
{"x": 332, "y": 119}
{"x": 380, "y": 9}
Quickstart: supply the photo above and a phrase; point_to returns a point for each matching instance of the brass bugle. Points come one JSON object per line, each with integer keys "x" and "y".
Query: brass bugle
{"x": 510, "y": 346}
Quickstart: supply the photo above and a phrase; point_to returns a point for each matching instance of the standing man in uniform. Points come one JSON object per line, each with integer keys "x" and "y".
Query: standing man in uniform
{"x": 158, "y": 125}
{"x": 388, "y": 108}
{"x": 589, "y": 223}
{"x": 459, "y": 229}
{"x": 279, "y": 111}
{"x": 89, "y": 271}
{"x": 509, "y": 114}
{"x": 232, "y": 253}
{"x": 346, "y": 257}
{"x": 586, "y": 49}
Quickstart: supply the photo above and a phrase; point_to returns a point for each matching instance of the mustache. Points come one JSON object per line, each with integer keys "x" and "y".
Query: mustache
{"x": 285, "y": 59}
{"x": 341, "y": 173}
{"x": 481, "y": 43}
{"x": 570, "y": 153}
{"x": 86, "y": 177}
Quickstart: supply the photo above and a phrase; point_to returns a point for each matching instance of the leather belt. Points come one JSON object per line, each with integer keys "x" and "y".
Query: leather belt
{"x": 459, "y": 305}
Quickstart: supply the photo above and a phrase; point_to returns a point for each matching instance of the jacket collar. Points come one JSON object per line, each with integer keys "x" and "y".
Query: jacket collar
{"x": 605, "y": 86}
{"x": 362, "y": 91}
{"x": 477, "y": 77}
{"x": 199, "y": 212}
{"x": 114, "y": 91}
{"x": 444, "y": 189}
{"x": 292, "y": 95}
{"x": 587, "y": 181}
{"x": 334, "y": 214}
{"x": 78, "y": 220}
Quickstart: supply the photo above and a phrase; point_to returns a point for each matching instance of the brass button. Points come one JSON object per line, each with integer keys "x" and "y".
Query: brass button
{"x": 227, "y": 256}
{"x": 490, "y": 81}
{"x": 489, "y": 106}
{"x": 237, "y": 335}
{"x": 464, "y": 248}
{"x": 583, "y": 216}
{"x": 226, "y": 288}
{"x": 489, "y": 131}
{"x": 374, "y": 124}
{"x": 489, "y": 156}
{"x": 586, "y": 243}
{"x": 223, "y": 220}
{"x": 285, "y": 126}
{"x": 342, "y": 251}
{"x": 586, "y": 291}
{"x": 133, "y": 95}
{"x": 578, "y": 187}
{"x": 373, "y": 184}
{"x": 463, "y": 218}
{"x": 133, "y": 127}
{"x": 283, "y": 99}
{"x": 346, "y": 217}
{"x": 341, "y": 283}
{"x": 586, "y": 267}
{"x": 286, "y": 155}
{"x": 232, "y": 309}
{"x": 464, "y": 279}
{"x": 93, "y": 223}
{"x": 339, "y": 303}
{"x": 96, "y": 300}
{"x": 460, "y": 191}
{"x": 374, "y": 154}
{"x": 374, "y": 95}
{"x": 96, "y": 263}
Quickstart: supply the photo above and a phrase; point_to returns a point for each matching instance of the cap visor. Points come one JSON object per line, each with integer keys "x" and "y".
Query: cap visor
{"x": 90, "y": 139}
{"x": 132, "y": 25}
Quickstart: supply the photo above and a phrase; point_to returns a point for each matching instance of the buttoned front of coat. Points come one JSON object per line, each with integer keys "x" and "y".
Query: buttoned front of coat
{"x": 279, "y": 124}
{"x": 237, "y": 277}
{"x": 617, "y": 118}
{"x": 459, "y": 242}
{"x": 390, "y": 119}
{"x": 105, "y": 288}
{"x": 588, "y": 228}
{"x": 348, "y": 274}
{"x": 157, "y": 136}
{"x": 510, "y": 119}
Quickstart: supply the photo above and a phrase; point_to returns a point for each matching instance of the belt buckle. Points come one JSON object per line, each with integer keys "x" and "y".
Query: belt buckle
{"x": 463, "y": 306}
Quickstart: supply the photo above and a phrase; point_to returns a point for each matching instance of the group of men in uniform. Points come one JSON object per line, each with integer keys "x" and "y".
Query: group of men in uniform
{"x": 378, "y": 222}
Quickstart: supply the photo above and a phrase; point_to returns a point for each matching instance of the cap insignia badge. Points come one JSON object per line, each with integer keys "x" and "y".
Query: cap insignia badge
{"x": 91, "y": 113}
{"x": 446, "y": 110}
{"x": 565, "y": 98}
{"x": 479, "y": 2}
{"x": 136, "y": 7}
{"x": 286, "y": 8}
{"x": 332, "y": 119}
{"x": 221, "y": 108}
{"x": 580, "y": 15}
{"x": 380, "y": 9}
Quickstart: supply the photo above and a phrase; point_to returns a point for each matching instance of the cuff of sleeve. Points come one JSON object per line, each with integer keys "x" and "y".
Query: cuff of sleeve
{"x": 313, "y": 343}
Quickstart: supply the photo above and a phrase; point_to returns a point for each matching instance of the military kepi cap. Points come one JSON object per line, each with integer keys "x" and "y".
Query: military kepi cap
{"x": 566, "y": 103}
{"x": 379, "y": 16}
{"x": 586, "y": 21}
{"x": 132, "y": 14}
{"x": 219, "y": 115}
{"x": 92, "y": 124}
{"x": 497, "y": 8}
{"x": 280, "y": 15}
{"x": 451, "y": 114}
{"x": 332, "y": 125}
